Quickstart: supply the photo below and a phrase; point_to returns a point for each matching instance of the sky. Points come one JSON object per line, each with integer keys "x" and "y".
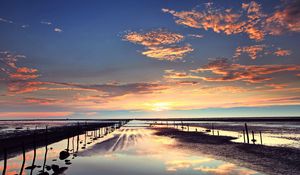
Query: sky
{"x": 158, "y": 58}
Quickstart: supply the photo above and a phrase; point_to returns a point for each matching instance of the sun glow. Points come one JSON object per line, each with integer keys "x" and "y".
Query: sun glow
{"x": 160, "y": 106}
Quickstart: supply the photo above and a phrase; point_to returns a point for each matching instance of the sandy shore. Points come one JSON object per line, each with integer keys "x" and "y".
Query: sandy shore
{"x": 265, "y": 159}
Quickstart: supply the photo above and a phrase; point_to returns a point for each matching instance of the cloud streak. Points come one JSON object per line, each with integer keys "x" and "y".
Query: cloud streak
{"x": 248, "y": 73}
{"x": 159, "y": 44}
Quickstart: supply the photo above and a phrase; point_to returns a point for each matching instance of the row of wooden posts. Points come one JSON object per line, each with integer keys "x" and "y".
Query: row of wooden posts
{"x": 245, "y": 132}
{"x": 97, "y": 133}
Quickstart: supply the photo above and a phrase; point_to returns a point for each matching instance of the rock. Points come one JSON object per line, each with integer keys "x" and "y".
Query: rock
{"x": 63, "y": 155}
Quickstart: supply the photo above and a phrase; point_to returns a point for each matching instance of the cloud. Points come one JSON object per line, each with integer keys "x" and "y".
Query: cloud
{"x": 277, "y": 86}
{"x": 248, "y": 73}
{"x": 43, "y": 101}
{"x": 26, "y": 70}
{"x": 168, "y": 53}
{"x": 107, "y": 90}
{"x": 282, "y": 52}
{"x": 112, "y": 90}
{"x": 34, "y": 114}
{"x": 259, "y": 50}
{"x": 195, "y": 36}
{"x": 160, "y": 44}
{"x": 24, "y": 26}
{"x": 249, "y": 19}
{"x": 12, "y": 71}
{"x": 20, "y": 76}
{"x": 6, "y": 21}
{"x": 57, "y": 30}
{"x": 19, "y": 87}
{"x": 172, "y": 74}
{"x": 153, "y": 38}
{"x": 286, "y": 19}
{"x": 223, "y": 21}
{"x": 46, "y": 22}
{"x": 252, "y": 51}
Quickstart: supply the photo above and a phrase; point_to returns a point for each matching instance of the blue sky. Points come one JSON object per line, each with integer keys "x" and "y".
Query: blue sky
{"x": 87, "y": 57}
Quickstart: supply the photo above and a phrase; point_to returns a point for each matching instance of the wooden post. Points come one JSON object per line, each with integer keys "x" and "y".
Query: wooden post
{"x": 34, "y": 154}
{"x": 260, "y": 138}
{"x": 218, "y": 133}
{"x": 24, "y": 159}
{"x": 85, "y": 138}
{"x": 212, "y": 129}
{"x": 247, "y": 133}
{"x": 5, "y": 161}
{"x": 68, "y": 143}
{"x": 46, "y": 148}
{"x": 253, "y": 139}
{"x": 244, "y": 136}
{"x": 45, "y": 157}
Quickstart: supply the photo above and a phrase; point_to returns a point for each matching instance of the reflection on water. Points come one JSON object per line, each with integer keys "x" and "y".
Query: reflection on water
{"x": 127, "y": 151}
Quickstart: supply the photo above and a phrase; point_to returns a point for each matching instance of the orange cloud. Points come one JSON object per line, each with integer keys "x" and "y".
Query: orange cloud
{"x": 283, "y": 20}
{"x": 252, "y": 51}
{"x": 172, "y": 74}
{"x": 43, "y": 101}
{"x": 153, "y": 38}
{"x": 158, "y": 44}
{"x": 277, "y": 86}
{"x": 248, "y": 73}
{"x": 282, "y": 52}
{"x": 168, "y": 53}
{"x": 14, "y": 72}
{"x": 19, "y": 76}
{"x": 249, "y": 20}
{"x": 224, "y": 21}
{"x": 33, "y": 114}
{"x": 26, "y": 70}
{"x": 256, "y": 51}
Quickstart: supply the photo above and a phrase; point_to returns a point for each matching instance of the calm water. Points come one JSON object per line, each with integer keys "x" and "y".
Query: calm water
{"x": 133, "y": 149}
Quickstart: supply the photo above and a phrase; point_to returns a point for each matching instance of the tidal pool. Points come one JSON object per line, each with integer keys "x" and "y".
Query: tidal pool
{"x": 132, "y": 149}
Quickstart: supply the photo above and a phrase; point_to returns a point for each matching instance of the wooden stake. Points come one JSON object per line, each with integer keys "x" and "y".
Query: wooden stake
{"x": 247, "y": 133}
{"x": 260, "y": 137}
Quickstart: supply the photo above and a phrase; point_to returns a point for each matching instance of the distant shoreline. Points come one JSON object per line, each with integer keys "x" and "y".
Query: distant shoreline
{"x": 223, "y": 119}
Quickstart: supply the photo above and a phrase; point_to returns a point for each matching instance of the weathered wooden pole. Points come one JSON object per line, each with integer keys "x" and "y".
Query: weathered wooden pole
{"x": 34, "y": 154}
{"x": 24, "y": 159}
{"x": 85, "y": 138}
{"x": 212, "y": 129}
{"x": 244, "y": 136}
{"x": 253, "y": 139}
{"x": 247, "y": 133}
{"x": 218, "y": 133}
{"x": 260, "y": 135}
{"x": 68, "y": 143}
{"x": 46, "y": 148}
{"x": 45, "y": 157}
{"x": 4, "y": 161}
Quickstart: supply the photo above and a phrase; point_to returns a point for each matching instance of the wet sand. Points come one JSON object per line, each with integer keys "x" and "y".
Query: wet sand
{"x": 266, "y": 159}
